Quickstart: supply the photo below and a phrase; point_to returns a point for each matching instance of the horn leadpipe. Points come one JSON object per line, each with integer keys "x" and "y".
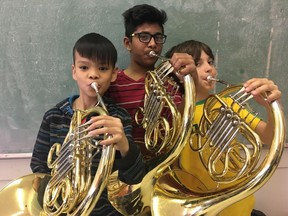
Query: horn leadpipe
{"x": 163, "y": 59}
{"x": 100, "y": 101}
{"x": 99, "y": 98}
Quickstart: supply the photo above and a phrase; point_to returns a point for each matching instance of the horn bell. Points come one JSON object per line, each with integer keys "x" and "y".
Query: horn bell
{"x": 231, "y": 155}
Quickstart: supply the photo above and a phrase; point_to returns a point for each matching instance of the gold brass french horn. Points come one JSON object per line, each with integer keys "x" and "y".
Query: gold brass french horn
{"x": 70, "y": 189}
{"x": 231, "y": 155}
{"x": 167, "y": 131}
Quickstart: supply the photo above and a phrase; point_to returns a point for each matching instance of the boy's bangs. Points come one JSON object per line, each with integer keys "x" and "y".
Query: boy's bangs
{"x": 96, "y": 52}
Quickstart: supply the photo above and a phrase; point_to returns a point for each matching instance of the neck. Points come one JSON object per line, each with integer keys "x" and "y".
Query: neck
{"x": 200, "y": 97}
{"x": 82, "y": 104}
{"x": 136, "y": 71}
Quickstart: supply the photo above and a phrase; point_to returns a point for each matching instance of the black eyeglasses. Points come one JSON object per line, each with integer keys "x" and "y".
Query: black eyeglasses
{"x": 145, "y": 37}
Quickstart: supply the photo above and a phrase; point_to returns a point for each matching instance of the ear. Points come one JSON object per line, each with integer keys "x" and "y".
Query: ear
{"x": 127, "y": 43}
{"x": 73, "y": 70}
{"x": 114, "y": 74}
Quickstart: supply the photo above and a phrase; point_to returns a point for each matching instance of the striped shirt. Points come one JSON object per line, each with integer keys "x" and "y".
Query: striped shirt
{"x": 54, "y": 128}
{"x": 130, "y": 95}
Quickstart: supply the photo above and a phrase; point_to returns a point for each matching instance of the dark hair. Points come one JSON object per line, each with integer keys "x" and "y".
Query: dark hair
{"x": 97, "y": 48}
{"x": 191, "y": 47}
{"x": 141, "y": 14}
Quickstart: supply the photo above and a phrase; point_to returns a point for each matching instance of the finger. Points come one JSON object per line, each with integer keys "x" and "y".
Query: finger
{"x": 107, "y": 121}
{"x": 110, "y": 140}
{"x": 268, "y": 87}
{"x": 275, "y": 95}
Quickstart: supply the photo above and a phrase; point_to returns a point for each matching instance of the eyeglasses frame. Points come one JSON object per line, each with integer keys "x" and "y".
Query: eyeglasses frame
{"x": 151, "y": 36}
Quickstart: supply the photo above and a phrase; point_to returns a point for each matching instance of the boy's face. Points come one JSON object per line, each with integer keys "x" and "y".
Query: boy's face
{"x": 86, "y": 71}
{"x": 139, "y": 51}
{"x": 205, "y": 67}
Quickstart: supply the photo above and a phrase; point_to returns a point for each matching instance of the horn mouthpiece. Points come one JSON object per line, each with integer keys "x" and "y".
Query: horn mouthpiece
{"x": 154, "y": 54}
{"x": 94, "y": 86}
{"x": 210, "y": 78}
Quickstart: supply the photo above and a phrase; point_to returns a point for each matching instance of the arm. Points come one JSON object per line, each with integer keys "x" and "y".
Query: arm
{"x": 41, "y": 148}
{"x": 256, "y": 87}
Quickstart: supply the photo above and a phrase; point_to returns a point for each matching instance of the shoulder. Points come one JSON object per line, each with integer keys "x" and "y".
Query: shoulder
{"x": 64, "y": 107}
{"x": 120, "y": 76}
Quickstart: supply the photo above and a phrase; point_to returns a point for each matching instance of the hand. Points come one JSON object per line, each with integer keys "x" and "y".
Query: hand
{"x": 257, "y": 86}
{"x": 113, "y": 126}
{"x": 183, "y": 64}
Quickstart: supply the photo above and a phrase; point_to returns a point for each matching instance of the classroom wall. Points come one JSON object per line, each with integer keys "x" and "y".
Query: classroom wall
{"x": 249, "y": 39}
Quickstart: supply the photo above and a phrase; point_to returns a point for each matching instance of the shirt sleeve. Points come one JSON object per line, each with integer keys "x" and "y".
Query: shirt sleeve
{"x": 41, "y": 149}
{"x": 131, "y": 167}
{"x": 249, "y": 117}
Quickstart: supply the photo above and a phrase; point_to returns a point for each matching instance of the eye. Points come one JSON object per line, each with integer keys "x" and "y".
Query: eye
{"x": 158, "y": 38}
{"x": 198, "y": 63}
{"x": 103, "y": 68}
{"x": 211, "y": 62}
{"x": 144, "y": 36}
{"x": 83, "y": 67}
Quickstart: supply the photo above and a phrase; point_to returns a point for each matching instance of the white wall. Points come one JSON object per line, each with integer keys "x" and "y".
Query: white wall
{"x": 271, "y": 198}
{"x": 13, "y": 166}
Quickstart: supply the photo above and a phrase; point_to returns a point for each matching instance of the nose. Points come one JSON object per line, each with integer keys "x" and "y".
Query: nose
{"x": 152, "y": 43}
{"x": 94, "y": 74}
{"x": 208, "y": 67}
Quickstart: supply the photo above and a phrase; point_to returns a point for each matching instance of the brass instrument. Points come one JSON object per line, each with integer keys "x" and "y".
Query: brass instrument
{"x": 231, "y": 153}
{"x": 70, "y": 189}
{"x": 166, "y": 133}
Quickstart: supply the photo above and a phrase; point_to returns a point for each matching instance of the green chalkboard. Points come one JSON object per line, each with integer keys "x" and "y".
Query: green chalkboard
{"x": 249, "y": 38}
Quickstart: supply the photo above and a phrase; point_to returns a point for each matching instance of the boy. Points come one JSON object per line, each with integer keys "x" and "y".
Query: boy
{"x": 189, "y": 160}
{"x": 94, "y": 59}
{"x": 144, "y": 32}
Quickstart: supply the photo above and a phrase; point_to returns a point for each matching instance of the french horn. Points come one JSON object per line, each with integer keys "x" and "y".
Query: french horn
{"x": 231, "y": 154}
{"x": 71, "y": 188}
{"x": 166, "y": 133}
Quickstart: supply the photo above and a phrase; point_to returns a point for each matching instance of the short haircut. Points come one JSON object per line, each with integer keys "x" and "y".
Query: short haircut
{"x": 141, "y": 14}
{"x": 193, "y": 48}
{"x": 97, "y": 48}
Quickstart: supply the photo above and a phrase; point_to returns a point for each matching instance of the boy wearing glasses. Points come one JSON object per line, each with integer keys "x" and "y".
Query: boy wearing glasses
{"x": 144, "y": 32}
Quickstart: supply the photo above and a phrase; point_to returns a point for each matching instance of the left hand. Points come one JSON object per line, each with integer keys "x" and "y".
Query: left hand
{"x": 113, "y": 126}
{"x": 183, "y": 64}
{"x": 257, "y": 86}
